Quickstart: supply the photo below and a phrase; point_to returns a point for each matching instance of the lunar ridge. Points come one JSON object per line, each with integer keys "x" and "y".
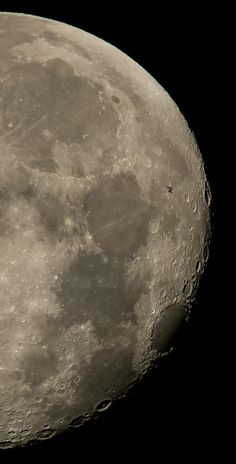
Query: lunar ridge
{"x": 104, "y": 225}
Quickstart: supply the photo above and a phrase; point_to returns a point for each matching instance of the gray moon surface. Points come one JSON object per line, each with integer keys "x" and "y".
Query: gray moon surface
{"x": 104, "y": 225}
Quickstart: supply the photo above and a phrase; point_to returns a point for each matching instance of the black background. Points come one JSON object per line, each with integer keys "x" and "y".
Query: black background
{"x": 179, "y": 409}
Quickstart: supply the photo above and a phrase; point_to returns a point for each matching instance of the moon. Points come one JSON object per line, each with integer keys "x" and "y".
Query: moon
{"x": 104, "y": 225}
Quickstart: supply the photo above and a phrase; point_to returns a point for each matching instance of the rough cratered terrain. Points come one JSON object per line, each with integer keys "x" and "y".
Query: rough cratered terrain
{"x": 104, "y": 224}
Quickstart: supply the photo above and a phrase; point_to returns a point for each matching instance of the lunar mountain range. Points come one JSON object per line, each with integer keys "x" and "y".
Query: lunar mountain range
{"x": 104, "y": 225}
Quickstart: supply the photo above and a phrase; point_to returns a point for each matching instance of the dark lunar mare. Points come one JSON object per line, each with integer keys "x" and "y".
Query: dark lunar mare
{"x": 95, "y": 286}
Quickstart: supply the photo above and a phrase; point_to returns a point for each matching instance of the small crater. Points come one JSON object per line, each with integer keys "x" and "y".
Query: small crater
{"x": 38, "y": 399}
{"x": 186, "y": 198}
{"x": 78, "y": 421}
{"x": 187, "y": 289}
{"x": 115, "y": 99}
{"x": 206, "y": 253}
{"x": 25, "y": 432}
{"x": 45, "y": 434}
{"x": 194, "y": 206}
{"x": 103, "y": 405}
{"x": 11, "y": 434}
{"x": 163, "y": 293}
{"x": 207, "y": 194}
{"x": 198, "y": 266}
{"x": 170, "y": 189}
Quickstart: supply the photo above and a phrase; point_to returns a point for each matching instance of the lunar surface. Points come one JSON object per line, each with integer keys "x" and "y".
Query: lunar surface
{"x": 104, "y": 225}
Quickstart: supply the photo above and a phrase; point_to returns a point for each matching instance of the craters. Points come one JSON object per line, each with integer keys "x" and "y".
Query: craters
{"x": 186, "y": 198}
{"x": 45, "y": 434}
{"x": 117, "y": 215}
{"x": 191, "y": 202}
{"x": 61, "y": 218}
{"x": 207, "y": 194}
{"x": 12, "y": 434}
{"x": 115, "y": 99}
{"x": 193, "y": 206}
{"x": 169, "y": 189}
{"x": 111, "y": 370}
{"x": 198, "y": 266}
{"x": 14, "y": 437}
{"x": 165, "y": 326}
{"x": 41, "y": 103}
{"x": 78, "y": 421}
{"x": 25, "y": 433}
{"x": 206, "y": 252}
{"x": 169, "y": 221}
{"x": 97, "y": 291}
{"x": 163, "y": 293}
{"x": 164, "y": 214}
{"x": 187, "y": 288}
{"x": 104, "y": 405}
{"x": 11, "y": 36}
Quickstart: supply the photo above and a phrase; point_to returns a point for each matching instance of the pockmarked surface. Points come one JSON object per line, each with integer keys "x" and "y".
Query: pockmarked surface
{"x": 104, "y": 225}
